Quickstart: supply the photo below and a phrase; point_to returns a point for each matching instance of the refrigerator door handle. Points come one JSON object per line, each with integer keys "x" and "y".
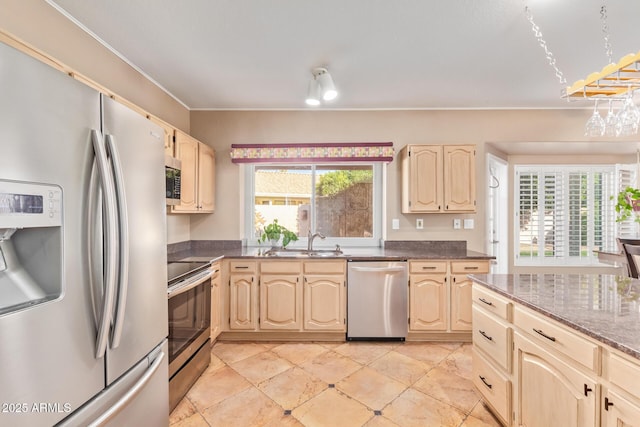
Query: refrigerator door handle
{"x": 131, "y": 394}
{"x": 123, "y": 232}
{"x": 110, "y": 233}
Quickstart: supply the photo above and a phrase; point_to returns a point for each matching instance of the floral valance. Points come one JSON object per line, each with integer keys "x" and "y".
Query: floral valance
{"x": 315, "y": 152}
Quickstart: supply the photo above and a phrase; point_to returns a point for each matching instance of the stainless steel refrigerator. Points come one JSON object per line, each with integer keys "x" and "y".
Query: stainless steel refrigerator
{"x": 83, "y": 303}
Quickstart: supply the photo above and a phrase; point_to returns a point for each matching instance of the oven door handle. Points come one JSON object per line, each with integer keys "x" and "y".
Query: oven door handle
{"x": 189, "y": 284}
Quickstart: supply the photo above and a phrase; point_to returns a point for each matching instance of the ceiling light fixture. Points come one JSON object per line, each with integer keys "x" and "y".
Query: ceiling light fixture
{"x": 321, "y": 87}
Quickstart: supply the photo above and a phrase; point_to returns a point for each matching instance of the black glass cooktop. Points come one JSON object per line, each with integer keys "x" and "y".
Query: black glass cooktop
{"x": 178, "y": 270}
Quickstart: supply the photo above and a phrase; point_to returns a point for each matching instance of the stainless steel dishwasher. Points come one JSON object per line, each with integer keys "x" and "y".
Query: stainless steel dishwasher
{"x": 377, "y": 300}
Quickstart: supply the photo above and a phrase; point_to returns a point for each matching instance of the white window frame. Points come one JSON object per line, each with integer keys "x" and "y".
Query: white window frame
{"x": 379, "y": 171}
{"x": 609, "y": 234}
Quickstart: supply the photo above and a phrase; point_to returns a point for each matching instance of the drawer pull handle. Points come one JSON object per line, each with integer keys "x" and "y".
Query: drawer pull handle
{"x": 539, "y": 331}
{"x": 241, "y": 267}
{"x": 587, "y": 389}
{"x": 607, "y": 403}
{"x": 485, "y": 335}
{"x": 430, "y": 267}
{"x": 471, "y": 267}
{"x": 485, "y": 301}
{"x": 484, "y": 380}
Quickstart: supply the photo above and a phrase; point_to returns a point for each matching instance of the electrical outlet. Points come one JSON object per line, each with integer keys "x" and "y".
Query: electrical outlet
{"x": 457, "y": 224}
{"x": 395, "y": 224}
{"x": 419, "y": 223}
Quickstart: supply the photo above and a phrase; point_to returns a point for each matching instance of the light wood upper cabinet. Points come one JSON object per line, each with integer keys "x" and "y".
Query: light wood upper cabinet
{"x": 197, "y": 175}
{"x": 459, "y": 178}
{"x": 438, "y": 178}
{"x": 422, "y": 178}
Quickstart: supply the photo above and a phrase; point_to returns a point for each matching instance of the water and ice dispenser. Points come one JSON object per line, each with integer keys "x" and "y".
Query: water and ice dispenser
{"x": 30, "y": 244}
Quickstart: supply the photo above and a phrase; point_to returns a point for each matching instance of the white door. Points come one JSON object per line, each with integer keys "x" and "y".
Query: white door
{"x": 497, "y": 220}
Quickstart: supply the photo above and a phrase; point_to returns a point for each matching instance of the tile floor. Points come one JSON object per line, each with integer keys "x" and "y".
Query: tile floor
{"x": 335, "y": 384}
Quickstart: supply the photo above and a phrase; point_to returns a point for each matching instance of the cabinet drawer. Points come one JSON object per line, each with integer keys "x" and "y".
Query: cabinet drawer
{"x": 624, "y": 373}
{"x": 292, "y": 267}
{"x": 242, "y": 266}
{"x": 324, "y": 267}
{"x": 492, "y": 302}
{"x": 494, "y": 386}
{"x": 558, "y": 337}
{"x": 427, "y": 267}
{"x": 469, "y": 267}
{"x": 493, "y": 337}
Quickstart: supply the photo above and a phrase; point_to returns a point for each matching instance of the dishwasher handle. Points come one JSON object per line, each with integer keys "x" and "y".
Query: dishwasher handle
{"x": 379, "y": 269}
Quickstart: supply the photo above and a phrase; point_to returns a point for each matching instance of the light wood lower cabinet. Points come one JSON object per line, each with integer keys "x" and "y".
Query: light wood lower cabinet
{"x": 551, "y": 392}
{"x": 619, "y": 411}
{"x": 428, "y": 302}
{"x": 216, "y": 307}
{"x": 243, "y": 296}
{"x": 440, "y": 295}
{"x": 281, "y": 296}
{"x": 556, "y": 376}
{"x": 280, "y": 302}
{"x": 324, "y": 303}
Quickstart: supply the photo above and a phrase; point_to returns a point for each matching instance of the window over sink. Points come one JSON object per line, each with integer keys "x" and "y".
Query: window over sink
{"x": 564, "y": 212}
{"x": 342, "y": 201}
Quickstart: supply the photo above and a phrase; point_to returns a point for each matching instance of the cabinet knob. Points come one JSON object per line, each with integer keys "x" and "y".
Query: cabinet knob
{"x": 607, "y": 403}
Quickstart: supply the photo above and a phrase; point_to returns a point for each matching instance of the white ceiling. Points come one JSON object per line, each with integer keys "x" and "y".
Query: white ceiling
{"x": 382, "y": 54}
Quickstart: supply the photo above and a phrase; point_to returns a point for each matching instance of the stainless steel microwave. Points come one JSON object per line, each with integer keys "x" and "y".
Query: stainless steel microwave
{"x": 172, "y": 172}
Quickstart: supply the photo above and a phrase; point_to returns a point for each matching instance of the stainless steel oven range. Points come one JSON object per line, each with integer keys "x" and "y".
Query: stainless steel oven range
{"x": 189, "y": 293}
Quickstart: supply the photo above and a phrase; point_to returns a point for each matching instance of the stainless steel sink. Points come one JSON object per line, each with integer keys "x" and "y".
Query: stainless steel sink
{"x": 304, "y": 253}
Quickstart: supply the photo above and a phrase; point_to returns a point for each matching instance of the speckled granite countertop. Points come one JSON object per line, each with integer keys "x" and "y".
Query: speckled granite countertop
{"x": 604, "y": 307}
{"x": 393, "y": 250}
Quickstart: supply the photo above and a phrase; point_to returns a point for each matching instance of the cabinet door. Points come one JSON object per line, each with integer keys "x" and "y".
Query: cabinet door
{"x": 550, "y": 392}
{"x": 427, "y": 302}
{"x": 206, "y": 178}
{"x": 168, "y": 136}
{"x": 459, "y": 178}
{"x": 618, "y": 411}
{"x": 216, "y": 308}
{"x": 187, "y": 151}
{"x": 280, "y": 302}
{"x": 242, "y": 302}
{"x": 425, "y": 178}
{"x": 324, "y": 302}
{"x": 461, "y": 296}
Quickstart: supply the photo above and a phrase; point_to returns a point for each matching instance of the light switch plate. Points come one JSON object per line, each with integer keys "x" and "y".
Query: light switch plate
{"x": 468, "y": 224}
{"x": 395, "y": 224}
{"x": 457, "y": 224}
{"x": 419, "y": 223}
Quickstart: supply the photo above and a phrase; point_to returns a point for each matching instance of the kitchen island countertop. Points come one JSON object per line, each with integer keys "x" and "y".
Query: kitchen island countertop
{"x": 603, "y": 307}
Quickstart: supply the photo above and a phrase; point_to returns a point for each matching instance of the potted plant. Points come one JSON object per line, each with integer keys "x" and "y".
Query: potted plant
{"x": 274, "y": 231}
{"x": 628, "y": 203}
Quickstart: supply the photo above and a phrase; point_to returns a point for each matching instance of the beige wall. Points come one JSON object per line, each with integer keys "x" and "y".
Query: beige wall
{"x": 37, "y": 24}
{"x": 220, "y": 129}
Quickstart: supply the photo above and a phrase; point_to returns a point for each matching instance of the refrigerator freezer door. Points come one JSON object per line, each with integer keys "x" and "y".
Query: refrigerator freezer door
{"x": 140, "y": 148}
{"x": 143, "y": 386}
{"x": 47, "y": 351}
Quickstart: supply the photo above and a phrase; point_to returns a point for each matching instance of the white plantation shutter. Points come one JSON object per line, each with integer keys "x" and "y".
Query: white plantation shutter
{"x": 564, "y": 213}
{"x": 626, "y": 177}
